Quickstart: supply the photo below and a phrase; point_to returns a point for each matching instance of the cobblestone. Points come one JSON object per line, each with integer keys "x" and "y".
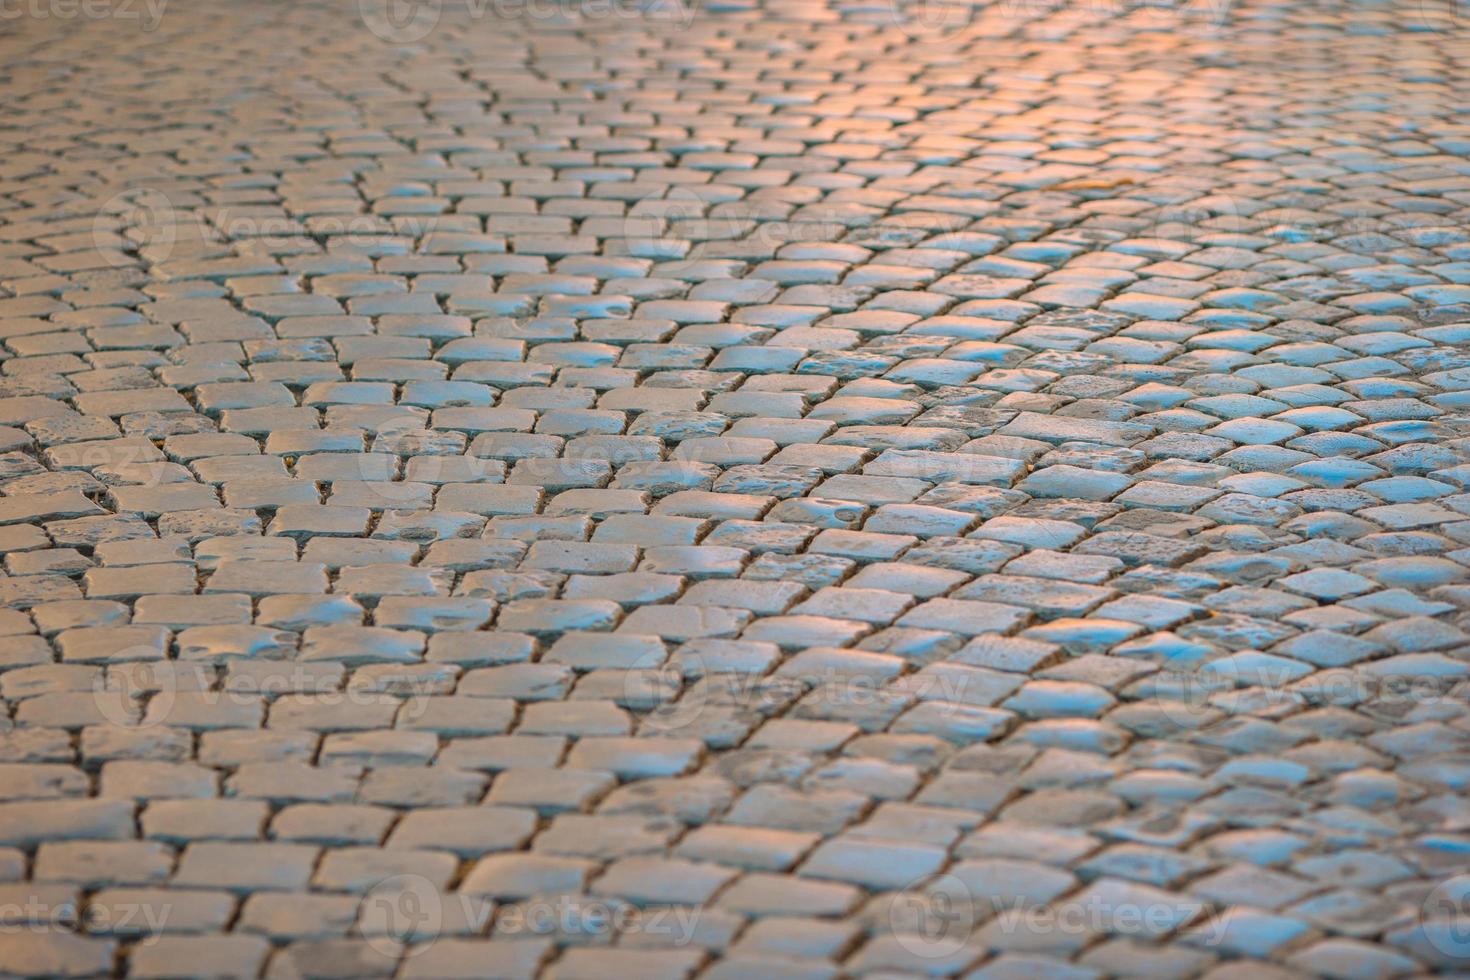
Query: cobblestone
{"x": 790, "y": 488}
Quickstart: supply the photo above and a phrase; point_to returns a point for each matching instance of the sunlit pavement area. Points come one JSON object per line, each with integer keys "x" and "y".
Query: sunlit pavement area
{"x": 657, "y": 489}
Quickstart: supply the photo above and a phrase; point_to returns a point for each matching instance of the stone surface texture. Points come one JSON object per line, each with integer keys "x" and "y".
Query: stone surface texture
{"x": 786, "y": 489}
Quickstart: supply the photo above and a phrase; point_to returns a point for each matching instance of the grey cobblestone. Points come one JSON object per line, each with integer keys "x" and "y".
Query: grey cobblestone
{"x": 772, "y": 488}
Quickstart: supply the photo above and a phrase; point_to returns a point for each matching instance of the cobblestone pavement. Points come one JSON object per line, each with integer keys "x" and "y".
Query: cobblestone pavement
{"x": 821, "y": 489}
